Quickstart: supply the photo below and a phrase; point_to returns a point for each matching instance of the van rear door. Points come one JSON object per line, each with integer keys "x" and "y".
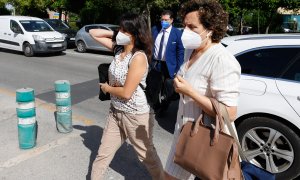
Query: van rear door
{"x": 3, "y": 32}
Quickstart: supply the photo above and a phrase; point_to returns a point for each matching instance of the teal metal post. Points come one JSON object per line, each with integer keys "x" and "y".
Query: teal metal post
{"x": 63, "y": 106}
{"x": 27, "y": 125}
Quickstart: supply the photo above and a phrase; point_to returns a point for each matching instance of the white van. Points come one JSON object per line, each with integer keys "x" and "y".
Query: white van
{"x": 30, "y": 35}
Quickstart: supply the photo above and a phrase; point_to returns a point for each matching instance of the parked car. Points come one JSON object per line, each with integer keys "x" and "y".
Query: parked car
{"x": 268, "y": 121}
{"x": 60, "y": 26}
{"x": 30, "y": 35}
{"x": 84, "y": 41}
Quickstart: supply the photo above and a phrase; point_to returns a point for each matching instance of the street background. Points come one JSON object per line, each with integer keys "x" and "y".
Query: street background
{"x": 65, "y": 156}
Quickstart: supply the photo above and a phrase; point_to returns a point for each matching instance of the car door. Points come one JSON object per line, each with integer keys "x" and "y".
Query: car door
{"x": 93, "y": 44}
{"x": 89, "y": 41}
{"x": 289, "y": 84}
{"x": 15, "y": 36}
{"x": 260, "y": 68}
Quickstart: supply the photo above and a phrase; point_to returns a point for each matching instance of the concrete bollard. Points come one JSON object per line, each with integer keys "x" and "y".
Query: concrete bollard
{"x": 27, "y": 125}
{"x": 63, "y": 106}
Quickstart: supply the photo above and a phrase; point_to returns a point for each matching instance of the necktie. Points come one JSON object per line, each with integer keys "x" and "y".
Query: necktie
{"x": 159, "y": 56}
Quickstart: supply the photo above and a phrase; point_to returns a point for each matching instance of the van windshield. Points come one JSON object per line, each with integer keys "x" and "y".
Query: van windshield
{"x": 35, "y": 26}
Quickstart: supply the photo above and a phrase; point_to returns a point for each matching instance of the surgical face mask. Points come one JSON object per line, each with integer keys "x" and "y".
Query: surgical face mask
{"x": 165, "y": 24}
{"x": 122, "y": 39}
{"x": 192, "y": 40}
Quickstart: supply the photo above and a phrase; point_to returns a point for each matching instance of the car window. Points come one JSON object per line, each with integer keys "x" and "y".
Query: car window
{"x": 114, "y": 28}
{"x": 266, "y": 62}
{"x": 14, "y": 26}
{"x": 293, "y": 73}
{"x": 57, "y": 24}
{"x": 94, "y": 27}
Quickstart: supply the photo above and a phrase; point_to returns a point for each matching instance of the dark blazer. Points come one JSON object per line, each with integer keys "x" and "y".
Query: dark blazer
{"x": 174, "y": 50}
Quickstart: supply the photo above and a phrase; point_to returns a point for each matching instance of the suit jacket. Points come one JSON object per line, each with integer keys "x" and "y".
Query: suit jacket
{"x": 174, "y": 51}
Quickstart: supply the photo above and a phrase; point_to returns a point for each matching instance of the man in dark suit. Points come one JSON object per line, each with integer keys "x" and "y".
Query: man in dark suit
{"x": 167, "y": 58}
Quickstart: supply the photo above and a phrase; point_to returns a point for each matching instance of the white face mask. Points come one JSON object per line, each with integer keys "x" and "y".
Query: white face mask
{"x": 192, "y": 40}
{"x": 122, "y": 39}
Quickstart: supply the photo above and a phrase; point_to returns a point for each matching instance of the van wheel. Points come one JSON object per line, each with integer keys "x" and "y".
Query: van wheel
{"x": 28, "y": 50}
{"x": 271, "y": 145}
{"x": 81, "y": 47}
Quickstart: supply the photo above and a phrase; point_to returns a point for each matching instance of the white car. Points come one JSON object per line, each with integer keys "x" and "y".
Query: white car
{"x": 268, "y": 122}
{"x": 30, "y": 35}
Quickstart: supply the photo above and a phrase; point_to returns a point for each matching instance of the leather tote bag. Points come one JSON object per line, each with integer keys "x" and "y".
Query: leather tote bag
{"x": 103, "y": 77}
{"x": 206, "y": 152}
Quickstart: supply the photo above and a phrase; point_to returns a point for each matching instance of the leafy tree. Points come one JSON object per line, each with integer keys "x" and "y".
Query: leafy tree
{"x": 3, "y": 10}
{"x": 270, "y": 7}
{"x": 65, "y": 6}
{"x": 29, "y": 7}
{"x": 265, "y": 10}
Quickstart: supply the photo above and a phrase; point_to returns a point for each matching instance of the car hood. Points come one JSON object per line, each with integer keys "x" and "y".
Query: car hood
{"x": 48, "y": 34}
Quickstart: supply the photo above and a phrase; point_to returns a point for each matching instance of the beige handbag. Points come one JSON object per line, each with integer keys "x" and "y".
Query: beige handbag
{"x": 208, "y": 153}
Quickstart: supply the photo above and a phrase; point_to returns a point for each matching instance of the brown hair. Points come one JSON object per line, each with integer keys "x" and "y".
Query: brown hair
{"x": 137, "y": 26}
{"x": 211, "y": 16}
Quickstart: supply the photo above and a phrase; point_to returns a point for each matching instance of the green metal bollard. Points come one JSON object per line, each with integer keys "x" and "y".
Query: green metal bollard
{"x": 27, "y": 125}
{"x": 63, "y": 106}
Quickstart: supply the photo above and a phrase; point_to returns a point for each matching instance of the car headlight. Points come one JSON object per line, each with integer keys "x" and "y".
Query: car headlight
{"x": 38, "y": 38}
{"x": 64, "y": 35}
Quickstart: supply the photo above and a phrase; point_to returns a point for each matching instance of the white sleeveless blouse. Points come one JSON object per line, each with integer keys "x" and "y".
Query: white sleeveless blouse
{"x": 117, "y": 74}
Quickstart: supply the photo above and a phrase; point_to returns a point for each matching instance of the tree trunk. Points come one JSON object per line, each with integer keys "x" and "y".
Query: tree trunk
{"x": 148, "y": 7}
{"x": 66, "y": 16}
{"x": 241, "y": 24}
{"x": 270, "y": 22}
{"x": 60, "y": 13}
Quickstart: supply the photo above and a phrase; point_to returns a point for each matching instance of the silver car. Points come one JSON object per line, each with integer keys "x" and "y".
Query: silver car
{"x": 84, "y": 41}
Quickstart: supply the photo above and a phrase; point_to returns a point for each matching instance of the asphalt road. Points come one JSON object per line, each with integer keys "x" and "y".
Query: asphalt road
{"x": 65, "y": 156}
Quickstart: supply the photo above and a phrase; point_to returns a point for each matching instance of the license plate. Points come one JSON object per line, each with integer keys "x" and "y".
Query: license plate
{"x": 72, "y": 39}
{"x": 56, "y": 45}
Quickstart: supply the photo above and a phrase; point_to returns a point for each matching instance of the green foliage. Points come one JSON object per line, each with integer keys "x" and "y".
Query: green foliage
{"x": 241, "y": 12}
{"x": 3, "y": 10}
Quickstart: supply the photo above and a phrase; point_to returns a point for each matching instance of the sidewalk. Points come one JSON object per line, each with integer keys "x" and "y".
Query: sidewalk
{"x": 59, "y": 156}
{"x": 56, "y": 156}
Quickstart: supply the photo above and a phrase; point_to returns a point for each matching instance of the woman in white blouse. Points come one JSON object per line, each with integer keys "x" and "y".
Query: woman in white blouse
{"x": 209, "y": 70}
{"x": 129, "y": 116}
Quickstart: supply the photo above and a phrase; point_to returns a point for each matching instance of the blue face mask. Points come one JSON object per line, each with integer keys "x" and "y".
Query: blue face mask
{"x": 165, "y": 24}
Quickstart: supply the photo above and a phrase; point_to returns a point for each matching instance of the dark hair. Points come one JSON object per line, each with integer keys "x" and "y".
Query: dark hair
{"x": 167, "y": 12}
{"x": 137, "y": 26}
{"x": 211, "y": 16}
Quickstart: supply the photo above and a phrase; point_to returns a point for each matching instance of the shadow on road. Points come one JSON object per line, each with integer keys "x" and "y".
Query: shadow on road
{"x": 108, "y": 53}
{"x": 125, "y": 161}
{"x": 79, "y": 92}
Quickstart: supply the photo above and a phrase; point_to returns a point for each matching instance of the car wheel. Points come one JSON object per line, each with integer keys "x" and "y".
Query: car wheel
{"x": 81, "y": 47}
{"x": 28, "y": 50}
{"x": 271, "y": 145}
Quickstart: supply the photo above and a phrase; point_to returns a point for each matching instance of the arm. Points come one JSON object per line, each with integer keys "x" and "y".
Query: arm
{"x": 137, "y": 68}
{"x": 103, "y": 36}
{"x": 183, "y": 87}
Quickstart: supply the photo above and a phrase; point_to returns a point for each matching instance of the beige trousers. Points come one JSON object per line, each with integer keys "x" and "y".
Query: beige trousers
{"x": 138, "y": 128}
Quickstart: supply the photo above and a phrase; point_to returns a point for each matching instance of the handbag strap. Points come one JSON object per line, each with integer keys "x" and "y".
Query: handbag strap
{"x": 232, "y": 173}
{"x": 230, "y": 128}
